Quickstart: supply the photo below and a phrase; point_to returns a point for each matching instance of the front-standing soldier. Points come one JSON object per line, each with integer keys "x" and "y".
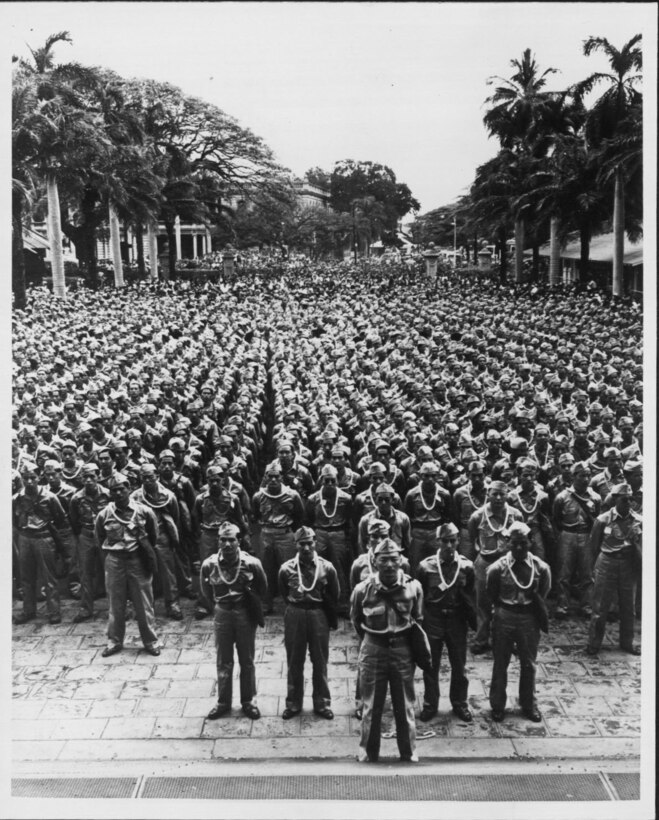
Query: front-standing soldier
{"x": 329, "y": 514}
{"x": 126, "y": 532}
{"x": 36, "y": 511}
{"x": 229, "y": 578}
{"x": 447, "y": 580}
{"x": 517, "y": 586}
{"x": 616, "y": 542}
{"x": 310, "y": 587}
{"x": 486, "y": 531}
{"x": 382, "y": 608}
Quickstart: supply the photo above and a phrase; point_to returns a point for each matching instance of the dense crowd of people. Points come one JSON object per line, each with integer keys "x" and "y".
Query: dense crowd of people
{"x": 353, "y": 438}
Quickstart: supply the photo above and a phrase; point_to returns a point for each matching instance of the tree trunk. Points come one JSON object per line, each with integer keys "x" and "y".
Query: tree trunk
{"x": 618, "y": 234}
{"x": 554, "y": 254}
{"x": 475, "y": 249}
{"x": 139, "y": 239}
{"x": 503, "y": 261}
{"x": 584, "y": 252}
{"x": 152, "y": 233}
{"x": 535, "y": 267}
{"x": 115, "y": 246}
{"x": 171, "y": 251}
{"x": 519, "y": 251}
{"x": 17, "y": 258}
{"x": 55, "y": 237}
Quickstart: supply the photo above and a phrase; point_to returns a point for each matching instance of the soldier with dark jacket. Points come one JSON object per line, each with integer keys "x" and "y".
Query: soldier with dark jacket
{"x": 447, "y": 580}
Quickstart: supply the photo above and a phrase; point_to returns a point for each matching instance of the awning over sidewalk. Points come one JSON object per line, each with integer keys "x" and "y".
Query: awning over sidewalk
{"x": 601, "y": 250}
{"x": 34, "y": 241}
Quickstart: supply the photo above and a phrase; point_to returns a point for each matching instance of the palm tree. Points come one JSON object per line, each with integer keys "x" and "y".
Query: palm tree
{"x": 63, "y": 124}
{"x": 617, "y": 110}
{"x": 521, "y": 117}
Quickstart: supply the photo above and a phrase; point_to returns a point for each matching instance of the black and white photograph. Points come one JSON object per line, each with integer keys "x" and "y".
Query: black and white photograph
{"x": 329, "y": 369}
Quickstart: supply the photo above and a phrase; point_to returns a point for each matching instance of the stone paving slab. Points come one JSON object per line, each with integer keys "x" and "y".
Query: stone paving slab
{"x": 71, "y": 704}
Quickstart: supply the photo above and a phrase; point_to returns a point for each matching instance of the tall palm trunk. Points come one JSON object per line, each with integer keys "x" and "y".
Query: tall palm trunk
{"x": 554, "y": 254}
{"x": 618, "y": 234}
{"x": 519, "y": 250}
{"x": 584, "y": 252}
{"x": 55, "y": 237}
{"x": 18, "y": 260}
{"x": 115, "y": 246}
{"x": 152, "y": 233}
{"x": 139, "y": 241}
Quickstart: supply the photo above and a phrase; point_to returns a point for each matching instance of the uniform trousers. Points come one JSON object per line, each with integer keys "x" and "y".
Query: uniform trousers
{"x": 613, "y": 576}
{"x": 333, "y": 545}
{"x": 510, "y": 629}
{"x": 36, "y": 556}
{"x": 450, "y": 631}
{"x": 234, "y": 628}
{"x": 483, "y": 603}
{"x": 165, "y": 568}
{"x": 466, "y": 546}
{"x": 277, "y": 546}
{"x": 125, "y": 578}
{"x": 422, "y": 544}
{"x": 90, "y": 561}
{"x": 574, "y": 556}
{"x": 306, "y": 628}
{"x": 387, "y": 663}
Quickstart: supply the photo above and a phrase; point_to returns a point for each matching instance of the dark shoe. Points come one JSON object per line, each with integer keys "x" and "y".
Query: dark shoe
{"x": 325, "y": 712}
{"x": 22, "y": 618}
{"x": 532, "y": 714}
{"x": 498, "y": 715}
{"x": 586, "y": 611}
{"x": 217, "y": 711}
{"x": 359, "y": 712}
{"x": 480, "y": 648}
{"x": 251, "y": 711}
{"x": 41, "y": 595}
{"x": 74, "y": 591}
{"x": 631, "y": 649}
{"x": 427, "y": 714}
{"x": 200, "y": 613}
{"x": 174, "y": 612}
{"x": 111, "y": 650}
{"x": 591, "y": 650}
{"x": 55, "y": 619}
{"x": 560, "y": 613}
{"x": 463, "y": 713}
{"x": 413, "y": 758}
{"x": 287, "y": 714}
{"x": 268, "y": 610}
{"x": 152, "y": 650}
{"x": 79, "y": 617}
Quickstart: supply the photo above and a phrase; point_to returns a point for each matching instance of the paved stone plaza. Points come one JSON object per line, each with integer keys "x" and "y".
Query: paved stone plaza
{"x": 71, "y": 706}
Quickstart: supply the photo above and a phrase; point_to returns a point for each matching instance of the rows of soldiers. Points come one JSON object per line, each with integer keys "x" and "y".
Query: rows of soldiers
{"x": 331, "y": 400}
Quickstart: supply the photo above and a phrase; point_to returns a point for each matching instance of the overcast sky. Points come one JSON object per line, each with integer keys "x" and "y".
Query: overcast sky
{"x": 398, "y": 83}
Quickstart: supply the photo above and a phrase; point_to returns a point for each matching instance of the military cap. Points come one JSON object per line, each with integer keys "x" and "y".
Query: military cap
{"x": 517, "y": 527}
{"x": 304, "y": 534}
{"x": 447, "y": 530}
{"x": 228, "y": 530}
{"x": 166, "y": 454}
{"x": 384, "y": 489}
{"x": 52, "y": 464}
{"x": 376, "y": 468}
{"x": 566, "y": 458}
{"x": 147, "y": 469}
{"x": 499, "y": 486}
{"x": 273, "y": 469}
{"x": 622, "y": 490}
{"x": 631, "y": 466}
{"x": 89, "y": 469}
{"x": 580, "y": 466}
{"x": 328, "y": 471}
{"x": 387, "y": 547}
{"x": 427, "y": 468}
{"x": 612, "y": 452}
{"x": 118, "y": 480}
{"x": 378, "y": 527}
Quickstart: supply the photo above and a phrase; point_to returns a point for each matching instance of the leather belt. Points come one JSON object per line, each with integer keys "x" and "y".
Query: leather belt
{"x": 625, "y": 552}
{"x": 489, "y": 557}
{"x": 515, "y": 607}
{"x": 389, "y": 640}
{"x": 425, "y": 525}
{"x": 30, "y": 533}
{"x": 231, "y": 604}
{"x": 333, "y": 528}
{"x": 306, "y": 604}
